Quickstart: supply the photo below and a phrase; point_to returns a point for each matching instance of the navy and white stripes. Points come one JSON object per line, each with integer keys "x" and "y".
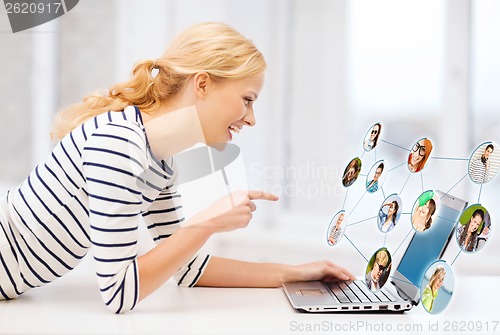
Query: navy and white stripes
{"x": 100, "y": 182}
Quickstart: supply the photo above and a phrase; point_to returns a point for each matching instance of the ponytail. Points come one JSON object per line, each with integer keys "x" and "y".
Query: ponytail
{"x": 213, "y": 47}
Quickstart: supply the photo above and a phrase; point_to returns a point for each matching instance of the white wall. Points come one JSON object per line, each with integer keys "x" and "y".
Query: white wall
{"x": 330, "y": 77}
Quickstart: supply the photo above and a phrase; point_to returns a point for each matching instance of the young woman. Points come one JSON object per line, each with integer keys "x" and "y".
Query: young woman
{"x": 372, "y": 185}
{"x": 431, "y": 290}
{"x": 419, "y": 155}
{"x": 388, "y": 220}
{"x": 371, "y": 142}
{"x": 422, "y": 216}
{"x": 337, "y": 231}
{"x": 351, "y": 172}
{"x": 113, "y": 170}
{"x": 468, "y": 234}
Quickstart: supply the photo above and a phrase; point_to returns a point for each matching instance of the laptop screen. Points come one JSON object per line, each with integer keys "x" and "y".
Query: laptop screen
{"x": 426, "y": 247}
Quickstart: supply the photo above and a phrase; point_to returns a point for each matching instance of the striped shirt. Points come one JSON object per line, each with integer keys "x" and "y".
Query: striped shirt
{"x": 97, "y": 185}
{"x": 479, "y": 171}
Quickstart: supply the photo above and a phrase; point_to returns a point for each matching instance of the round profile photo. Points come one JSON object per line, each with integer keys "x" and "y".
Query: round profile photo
{"x": 484, "y": 163}
{"x": 419, "y": 155}
{"x": 336, "y": 228}
{"x": 437, "y": 287}
{"x": 378, "y": 269}
{"x": 424, "y": 211}
{"x": 351, "y": 172}
{"x": 473, "y": 228}
{"x": 374, "y": 180}
{"x": 372, "y": 136}
{"x": 389, "y": 213}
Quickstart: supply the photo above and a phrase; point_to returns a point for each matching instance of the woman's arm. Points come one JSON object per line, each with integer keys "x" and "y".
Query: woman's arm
{"x": 164, "y": 260}
{"x": 224, "y": 272}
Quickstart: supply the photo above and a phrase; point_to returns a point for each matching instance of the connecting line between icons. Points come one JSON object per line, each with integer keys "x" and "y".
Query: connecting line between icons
{"x": 395, "y": 145}
{"x": 480, "y": 190}
{"x": 385, "y": 238}
{"x": 456, "y": 257}
{"x": 394, "y": 168}
{"x": 422, "y": 180}
{"x": 451, "y": 159}
{"x": 354, "y": 223}
{"x": 458, "y": 182}
{"x": 402, "y": 242}
{"x": 405, "y": 183}
{"x": 345, "y": 199}
{"x": 357, "y": 203}
{"x": 383, "y": 193}
{"x": 356, "y": 248}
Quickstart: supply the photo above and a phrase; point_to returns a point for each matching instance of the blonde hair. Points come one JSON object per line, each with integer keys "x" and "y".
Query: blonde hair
{"x": 382, "y": 258}
{"x": 212, "y": 47}
{"x": 437, "y": 271}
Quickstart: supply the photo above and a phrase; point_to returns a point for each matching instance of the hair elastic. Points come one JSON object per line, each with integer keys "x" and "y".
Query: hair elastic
{"x": 154, "y": 71}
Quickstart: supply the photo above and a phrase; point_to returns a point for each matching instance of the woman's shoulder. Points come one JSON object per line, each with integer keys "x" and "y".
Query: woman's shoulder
{"x": 123, "y": 123}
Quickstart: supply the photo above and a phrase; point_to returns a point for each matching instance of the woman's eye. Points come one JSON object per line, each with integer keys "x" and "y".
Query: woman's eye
{"x": 248, "y": 101}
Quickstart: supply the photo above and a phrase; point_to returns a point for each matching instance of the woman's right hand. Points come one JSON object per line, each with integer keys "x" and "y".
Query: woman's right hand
{"x": 231, "y": 212}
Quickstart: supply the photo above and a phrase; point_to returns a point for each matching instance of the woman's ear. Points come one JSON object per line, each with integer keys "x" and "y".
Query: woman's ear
{"x": 201, "y": 81}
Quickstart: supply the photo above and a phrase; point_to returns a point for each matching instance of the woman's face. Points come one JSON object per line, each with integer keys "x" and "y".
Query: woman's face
{"x": 392, "y": 208}
{"x": 339, "y": 220}
{"x": 487, "y": 153}
{"x": 424, "y": 210}
{"x": 377, "y": 174}
{"x": 351, "y": 173}
{"x": 474, "y": 223}
{"x": 227, "y": 106}
{"x": 438, "y": 282}
{"x": 374, "y": 132}
{"x": 418, "y": 153}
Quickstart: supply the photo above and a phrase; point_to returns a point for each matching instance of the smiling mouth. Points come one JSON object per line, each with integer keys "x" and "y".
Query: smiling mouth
{"x": 234, "y": 129}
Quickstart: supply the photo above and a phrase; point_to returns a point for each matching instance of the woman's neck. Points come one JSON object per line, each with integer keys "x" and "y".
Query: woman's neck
{"x": 171, "y": 131}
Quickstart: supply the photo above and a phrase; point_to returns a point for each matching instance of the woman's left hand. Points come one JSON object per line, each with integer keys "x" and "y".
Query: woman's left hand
{"x": 321, "y": 270}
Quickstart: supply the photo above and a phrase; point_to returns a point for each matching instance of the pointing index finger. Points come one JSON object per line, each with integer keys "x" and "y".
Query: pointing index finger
{"x": 260, "y": 195}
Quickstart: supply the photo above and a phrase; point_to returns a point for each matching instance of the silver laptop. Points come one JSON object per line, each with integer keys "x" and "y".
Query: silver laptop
{"x": 402, "y": 292}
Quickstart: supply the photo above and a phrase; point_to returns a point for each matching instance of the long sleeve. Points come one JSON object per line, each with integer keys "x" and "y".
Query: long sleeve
{"x": 163, "y": 218}
{"x": 114, "y": 162}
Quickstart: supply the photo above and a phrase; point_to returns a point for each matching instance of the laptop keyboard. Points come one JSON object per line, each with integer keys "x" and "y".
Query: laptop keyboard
{"x": 356, "y": 291}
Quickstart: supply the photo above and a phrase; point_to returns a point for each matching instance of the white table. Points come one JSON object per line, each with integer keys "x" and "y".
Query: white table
{"x": 72, "y": 305}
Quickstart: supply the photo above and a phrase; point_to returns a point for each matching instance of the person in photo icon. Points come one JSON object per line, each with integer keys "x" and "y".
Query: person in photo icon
{"x": 431, "y": 290}
{"x": 337, "y": 231}
{"x": 388, "y": 215}
{"x": 479, "y": 169}
{"x": 372, "y": 185}
{"x": 371, "y": 141}
{"x": 419, "y": 155}
{"x": 422, "y": 216}
{"x": 351, "y": 172}
{"x": 468, "y": 233}
{"x": 377, "y": 276}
